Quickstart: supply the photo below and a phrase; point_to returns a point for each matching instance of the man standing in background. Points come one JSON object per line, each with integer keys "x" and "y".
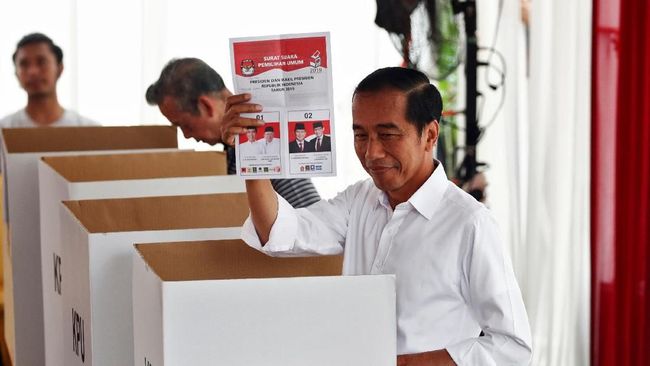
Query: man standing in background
{"x": 39, "y": 63}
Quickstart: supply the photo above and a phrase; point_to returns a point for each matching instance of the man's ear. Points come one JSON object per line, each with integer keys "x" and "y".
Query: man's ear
{"x": 206, "y": 106}
{"x": 59, "y": 71}
{"x": 431, "y": 134}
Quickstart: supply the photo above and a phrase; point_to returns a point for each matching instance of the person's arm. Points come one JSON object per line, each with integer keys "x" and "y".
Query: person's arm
{"x": 492, "y": 292}
{"x": 262, "y": 200}
{"x": 263, "y": 204}
{"x": 433, "y": 358}
{"x": 320, "y": 229}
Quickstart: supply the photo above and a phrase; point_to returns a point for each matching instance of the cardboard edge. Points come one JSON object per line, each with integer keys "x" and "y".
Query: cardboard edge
{"x": 143, "y": 275}
{"x": 194, "y": 256}
{"x": 48, "y": 139}
{"x": 61, "y": 164}
{"x": 96, "y": 224}
{"x": 70, "y": 207}
{"x": 136, "y": 247}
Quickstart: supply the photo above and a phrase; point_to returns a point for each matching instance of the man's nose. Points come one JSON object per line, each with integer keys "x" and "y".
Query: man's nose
{"x": 374, "y": 150}
{"x": 30, "y": 69}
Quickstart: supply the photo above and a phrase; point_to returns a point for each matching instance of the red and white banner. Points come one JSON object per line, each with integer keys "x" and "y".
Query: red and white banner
{"x": 254, "y": 58}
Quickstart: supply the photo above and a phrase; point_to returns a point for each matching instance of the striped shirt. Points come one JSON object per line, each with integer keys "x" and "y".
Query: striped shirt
{"x": 298, "y": 192}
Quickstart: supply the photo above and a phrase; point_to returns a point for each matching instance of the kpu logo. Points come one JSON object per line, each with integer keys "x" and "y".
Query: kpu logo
{"x": 247, "y": 67}
{"x": 315, "y": 60}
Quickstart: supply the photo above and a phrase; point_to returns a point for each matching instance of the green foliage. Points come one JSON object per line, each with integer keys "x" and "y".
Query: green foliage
{"x": 446, "y": 43}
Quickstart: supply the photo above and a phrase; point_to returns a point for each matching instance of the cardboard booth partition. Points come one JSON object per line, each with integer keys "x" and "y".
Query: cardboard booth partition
{"x": 98, "y": 237}
{"x": 112, "y": 176}
{"x": 22, "y": 148}
{"x": 224, "y": 303}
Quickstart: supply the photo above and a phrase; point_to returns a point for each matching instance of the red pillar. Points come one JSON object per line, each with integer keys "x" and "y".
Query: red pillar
{"x": 620, "y": 191}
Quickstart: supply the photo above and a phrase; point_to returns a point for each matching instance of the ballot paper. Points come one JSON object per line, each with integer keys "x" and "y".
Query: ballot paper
{"x": 291, "y": 77}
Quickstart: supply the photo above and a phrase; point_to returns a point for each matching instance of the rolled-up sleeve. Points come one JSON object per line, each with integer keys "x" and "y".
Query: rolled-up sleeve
{"x": 283, "y": 232}
{"x": 496, "y": 301}
{"x": 319, "y": 229}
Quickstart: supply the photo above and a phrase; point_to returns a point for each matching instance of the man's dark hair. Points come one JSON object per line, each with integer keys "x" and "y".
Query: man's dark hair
{"x": 423, "y": 100}
{"x": 33, "y": 38}
{"x": 185, "y": 80}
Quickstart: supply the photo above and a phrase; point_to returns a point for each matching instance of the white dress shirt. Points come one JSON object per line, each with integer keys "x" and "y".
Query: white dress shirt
{"x": 453, "y": 278}
{"x": 270, "y": 148}
{"x": 250, "y": 148}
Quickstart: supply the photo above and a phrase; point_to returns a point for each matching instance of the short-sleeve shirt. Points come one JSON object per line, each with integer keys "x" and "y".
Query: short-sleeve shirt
{"x": 68, "y": 119}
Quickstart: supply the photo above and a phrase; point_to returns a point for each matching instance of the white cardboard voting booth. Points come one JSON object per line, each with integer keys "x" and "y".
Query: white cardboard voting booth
{"x": 224, "y": 303}
{"x": 22, "y": 149}
{"x": 111, "y": 176}
{"x": 98, "y": 237}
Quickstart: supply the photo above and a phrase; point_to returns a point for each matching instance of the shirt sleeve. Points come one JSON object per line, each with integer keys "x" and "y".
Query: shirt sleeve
{"x": 89, "y": 122}
{"x": 319, "y": 229}
{"x": 495, "y": 299}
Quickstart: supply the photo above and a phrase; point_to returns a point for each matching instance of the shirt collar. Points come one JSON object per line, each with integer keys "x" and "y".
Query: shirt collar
{"x": 429, "y": 195}
{"x": 426, "y": 199}
{"x": 31, "y": 122}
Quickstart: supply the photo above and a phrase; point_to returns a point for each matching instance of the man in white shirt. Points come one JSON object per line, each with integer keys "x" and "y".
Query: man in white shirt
{"x": 270, "y": 145}
{"x": 39, "y": 64}
{"x": 250, "y": 147}
{"x": 457, "y": 298}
